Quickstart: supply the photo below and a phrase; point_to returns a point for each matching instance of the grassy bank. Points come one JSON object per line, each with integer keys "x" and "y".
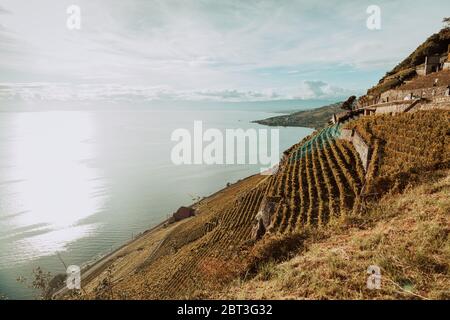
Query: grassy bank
{"x": 406, "y": 235}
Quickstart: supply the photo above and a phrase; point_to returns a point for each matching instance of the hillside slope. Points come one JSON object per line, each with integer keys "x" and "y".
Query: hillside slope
{"x": 406, "y": 235}
{"x": 435, "y": 44}
{"x": 409, "y": 144}
{"x": 406, "y": 70}
{"x": 320, "y": 184}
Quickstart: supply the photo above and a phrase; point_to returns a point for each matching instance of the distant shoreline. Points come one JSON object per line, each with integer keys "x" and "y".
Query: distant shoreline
{"x": 314, "y": 118}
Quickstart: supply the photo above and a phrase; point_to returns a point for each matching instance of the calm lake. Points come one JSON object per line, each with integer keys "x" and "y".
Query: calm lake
{"x": 83, "y": 182}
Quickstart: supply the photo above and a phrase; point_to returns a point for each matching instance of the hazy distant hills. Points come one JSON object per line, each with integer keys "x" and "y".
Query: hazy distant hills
{"x": 315, "y": 118}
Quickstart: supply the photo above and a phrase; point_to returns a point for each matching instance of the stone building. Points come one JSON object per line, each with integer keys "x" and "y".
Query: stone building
{"x": 432, "y": 64}
{"x": 446, "y": 65}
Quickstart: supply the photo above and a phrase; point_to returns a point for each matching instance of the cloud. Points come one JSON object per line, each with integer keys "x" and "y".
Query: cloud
{"x": 4, "y": 11}
{"x": 313, "y": 89}
{"x": 118, "y": 92}
{"x": 236, "y": 95}
{"x": 211, "y": 49}
{"x": 317, "y": 88}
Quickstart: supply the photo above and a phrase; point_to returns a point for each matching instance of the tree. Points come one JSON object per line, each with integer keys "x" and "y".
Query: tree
{"x": 445, "y": 32}
{"x": 349, "y": 103}
{"x": 446, "y": 22}
{"x": 40, "y": 282}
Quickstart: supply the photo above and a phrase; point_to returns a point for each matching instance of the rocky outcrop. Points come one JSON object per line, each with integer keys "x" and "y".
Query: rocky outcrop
{"x": 263, "y": 218}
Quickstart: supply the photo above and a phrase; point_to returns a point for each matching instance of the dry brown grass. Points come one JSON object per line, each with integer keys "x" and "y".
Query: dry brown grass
{"x": 406, "y": 235}
{"x": 410, "y": 144}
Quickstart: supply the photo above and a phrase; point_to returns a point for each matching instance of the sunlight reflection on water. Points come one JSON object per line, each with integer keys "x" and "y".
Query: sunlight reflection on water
{"x": 54, "y": 186}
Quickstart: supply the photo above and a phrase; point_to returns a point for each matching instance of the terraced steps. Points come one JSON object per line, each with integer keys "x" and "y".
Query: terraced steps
{"x": 321, "y": 179}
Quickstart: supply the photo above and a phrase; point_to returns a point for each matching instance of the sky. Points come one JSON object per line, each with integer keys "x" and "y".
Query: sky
{"x": 222, "y": 50}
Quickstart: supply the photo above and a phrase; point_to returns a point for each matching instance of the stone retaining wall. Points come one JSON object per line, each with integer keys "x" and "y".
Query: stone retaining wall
{"x": 433, "y": 105}
{"x": 393, "y": 108}
{"x": 429, "y": 93}
{"x": 359, "y": 144}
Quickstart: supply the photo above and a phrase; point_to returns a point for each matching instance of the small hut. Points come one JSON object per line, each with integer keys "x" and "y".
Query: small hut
{"x": 183, "y": 213}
